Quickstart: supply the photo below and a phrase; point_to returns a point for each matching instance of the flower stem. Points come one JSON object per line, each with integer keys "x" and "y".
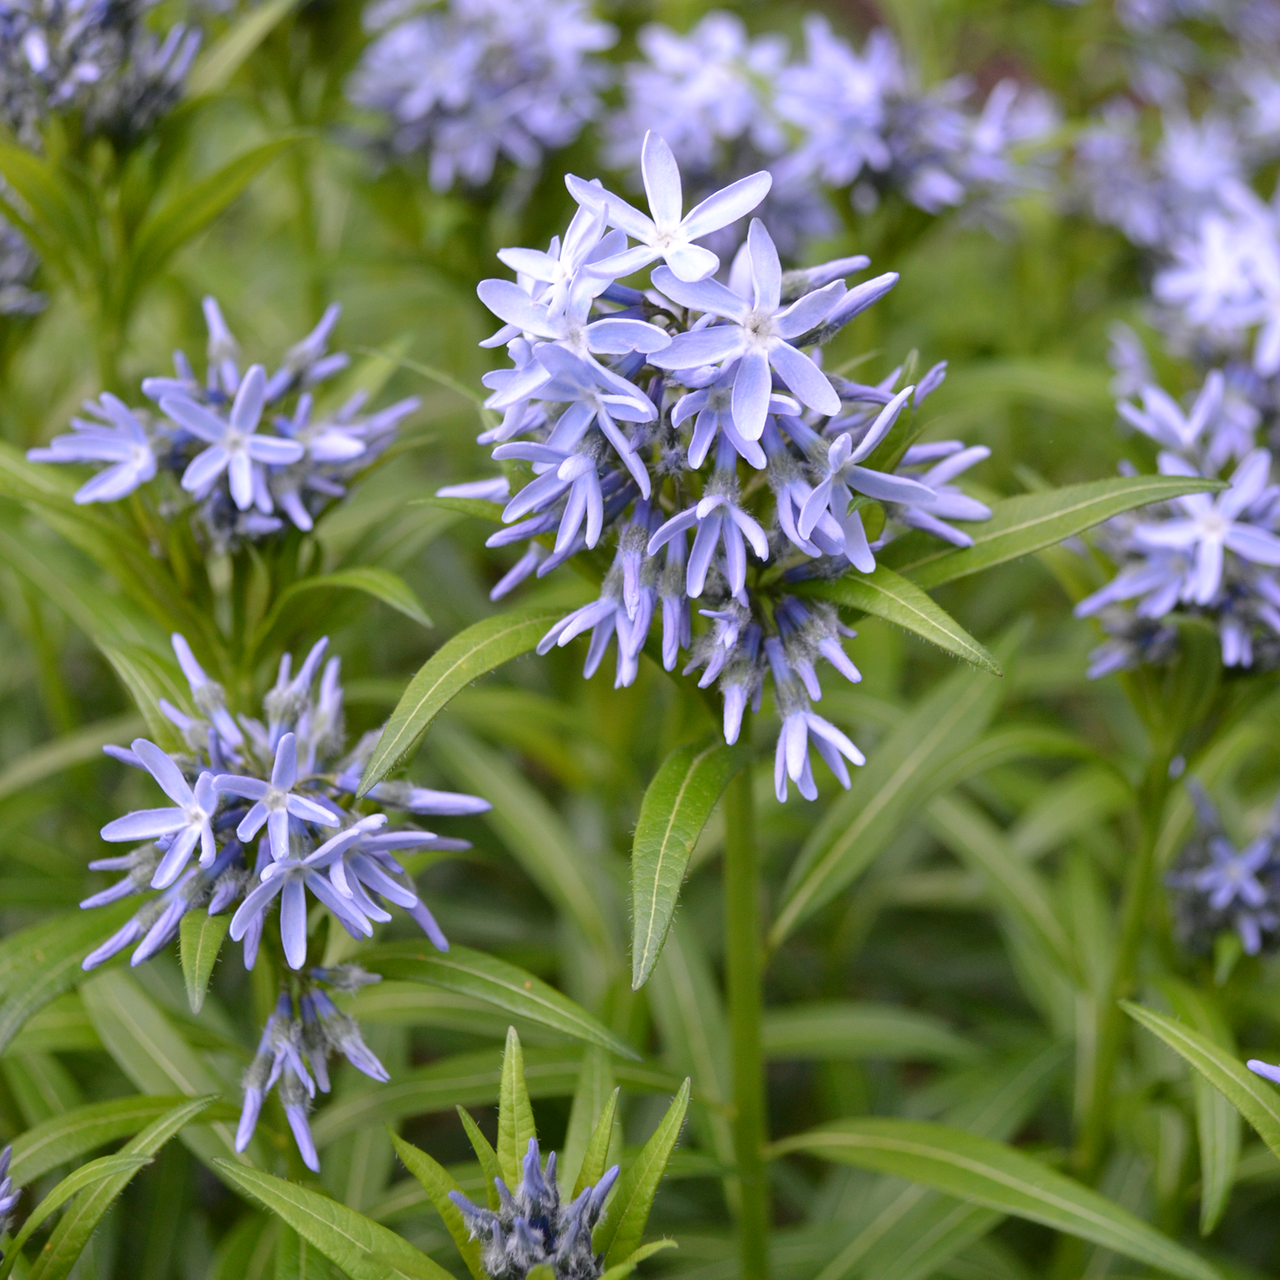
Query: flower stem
{"x": 743, "y": 952}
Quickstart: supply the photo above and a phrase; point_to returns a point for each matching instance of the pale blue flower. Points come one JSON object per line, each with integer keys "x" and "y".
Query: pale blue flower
{"x": 118, "y": 438}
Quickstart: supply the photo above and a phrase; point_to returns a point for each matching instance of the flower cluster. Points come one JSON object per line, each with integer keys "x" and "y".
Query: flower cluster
{"x": 690, "y": 424}
{"x": 532, "y": 1227}
{"x": 206, "y": 445}
{"x": 470, "y": 81}
{"x": 1210, "y": 555}
{"x": 95, "y": 57}
{"x": 265, "y": 809}
{"x": 1217, "y": 887}
{"x": 9, "y": 1194}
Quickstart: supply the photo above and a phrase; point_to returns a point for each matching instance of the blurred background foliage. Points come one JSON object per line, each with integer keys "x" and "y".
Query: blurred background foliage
{"x": 930, "y": 988}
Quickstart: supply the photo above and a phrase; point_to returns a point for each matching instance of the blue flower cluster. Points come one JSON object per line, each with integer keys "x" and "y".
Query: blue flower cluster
{"x": 94, "y": 57}
{"x": 532, "y": 1227}
{"x": 207, "y": 446}
{"x": 1217, "y": 887}
{"x": 692, "y": 425}
{"x": 470, "y": 81}
{"x": 265, "y": 809}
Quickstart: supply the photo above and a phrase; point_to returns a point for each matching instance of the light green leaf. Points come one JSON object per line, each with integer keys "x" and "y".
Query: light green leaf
{"x": 63, "y": 753}
{"x": 60, "y": 224}
{"x": 497, "y": 983}
{"x": 623, "y": 1269}
{"x": 676, "y": 806}
{"x": 62, "y": 1026}
{"x": 459, "y": 661}
{"x": 86, "y": 1175}
{"x": 81, "y": 1219}
{"x": 515, "y": 1113}
{"x": 1000, "y": 1178}
{"x": 200, "y": 939}
{"x": 216, "y": 66}
{"x": 1251, "y": 1096}
{"x": 1032, "y": 521}
{"x": 530, "y": 828}
{"x": 148, "y": 678}
{"x": 596, "y": 1157}
{"x": 590, "y": 1099}
{"x": 437, "y": 1182}
{"x": 381, "y": 584}
{"x": 900, "y": 601}
{"x": 486, "y": 1155}
{"x": 74, "y": 1133}
{"x": 361, "y": 1247}
{"x": 840, "y": 1030}
{"x": 619, "y": 1233}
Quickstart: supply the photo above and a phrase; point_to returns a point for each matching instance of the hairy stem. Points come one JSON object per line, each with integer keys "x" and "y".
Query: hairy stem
{"x": 743, "y": 951}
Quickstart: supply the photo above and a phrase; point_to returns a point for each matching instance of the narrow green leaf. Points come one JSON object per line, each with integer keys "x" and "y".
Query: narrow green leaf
{"x": 200, "y": 939}
{"x": 86, "y": 1175}
{"x": 486, "y": 1155}
{"x": 898, "y": 600}
{"x": 62, "y": 1026}
{"x": 676, "y": 806}
{"x": 217, "y": 65}
{"x": 459, "y": 661}
{"x": 515, "y": 1112}
{"x": 66, "y": 1137}
{"x": 1031, "y": 522}
{"x": 437, "y": 1182}
{"x": 497, "y": 983}
{"x": 361, "y": 1247}
{"x": 596, "y": 1157}
{"x": 59, "y": 219}
{"x": 840, "y": 1030}
{"x": 624, "y": 1269}
{"x": 63, "y": 753}
{"x": 619, "y": 1233}
{"x": 1000, "y": 1178}
{"x": 81, "y": 1219}
{"x": 381, "y": 584}
{"x": 1251, "y": 1096}
{"x": 148, "y": 678}
{"x": 590, "y": 1098}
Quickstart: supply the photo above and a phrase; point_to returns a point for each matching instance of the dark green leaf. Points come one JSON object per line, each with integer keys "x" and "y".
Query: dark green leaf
{"x": 841, "y": 1030}
{"x": 626, "y": 1267}
{"x": 437, "y": 1183}
{"x": 596, "y": 1157}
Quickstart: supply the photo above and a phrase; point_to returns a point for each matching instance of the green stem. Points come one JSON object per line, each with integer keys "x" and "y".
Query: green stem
{"x": 743, "y": 955}
{"x": 1133, "y": 916}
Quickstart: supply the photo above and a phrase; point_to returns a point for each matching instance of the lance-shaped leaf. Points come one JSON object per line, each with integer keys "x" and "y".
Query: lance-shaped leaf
{"x": 618, "y": 1234}
{"x": 515, "y": 1112}
{"x": 66, "y": 1137}
{"x": 361, "y": 1247}
{"x": 63, "y": 753}
{"x": 200, "y": 939}
{"x": 1251, "y": 1096}
{"x": 676, "y": 807}
{"x": 999, "y": 1177}
{"x": 486, "y": 1155}
{"x": 81, "y": 1219}
{"x": 381, "y": 584}
{"x": 437, "y": 1182}
{"x": 86, "y": 1175}
{"x": 840, "y": 1030}
{"x": 628, "y": 1265}
{"x": 594, "y": 1094}
{"x": 1031, "y": 522}
{"x": 469, "y": 655}
{"x": 900, "y": 601}
{"x": 596, "y": 1157}
{"x": 214, "y": 68}
{"x": 497, "y": 983}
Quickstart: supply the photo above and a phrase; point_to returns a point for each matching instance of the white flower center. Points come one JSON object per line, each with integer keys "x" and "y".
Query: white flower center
{"x": 233, "y": 441}
{"x": 575, "y": 338}
{"x": 275, "y": 799}
{"x": 1214, "y": 526}
{"x": 758, "y": 326}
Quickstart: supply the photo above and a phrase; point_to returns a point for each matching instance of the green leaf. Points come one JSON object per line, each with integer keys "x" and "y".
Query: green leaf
{"x": 624, "y": 1269}
{"x": 900, "y": 776}
{"x": 1251, "y": 1096}
{"x": 74, "y": 1133}
{"x": 381, "y": 584}
{"x": 515, "y": 1113}
{"x": 900, "y": 601}
{"x": 1031, "y": 522}
{"x": 486, "y": 1155}
{"x": 45, "y": 961}
{"x": 62, "y": 1026}
{"x": 437, "y": 1182}
{"x": 148, "y": 678}
{"x": 361, "y": 1247}
{"x": 596, "y": 1157}
{"x": 217, "y": 65}
{"x": 200, "y": 939}
{"x": 199, "y": 203}
{"x": 59, "y": 223}
{"x": 497, "y": 983}
{"x": 1000, "y": 1178}
{"x": 530, "y": 828}
{"x": 51, "y": 758}
{"x": 86, "y": 1175}
{"x": 459, "y": 661}
{"x": 619, "y": 1232}
{"x": 81, "y": 1219}
{"x": 841, "y": 1030}
{"x": 590, "y": 1099}
{"x": 676, "y": 806}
